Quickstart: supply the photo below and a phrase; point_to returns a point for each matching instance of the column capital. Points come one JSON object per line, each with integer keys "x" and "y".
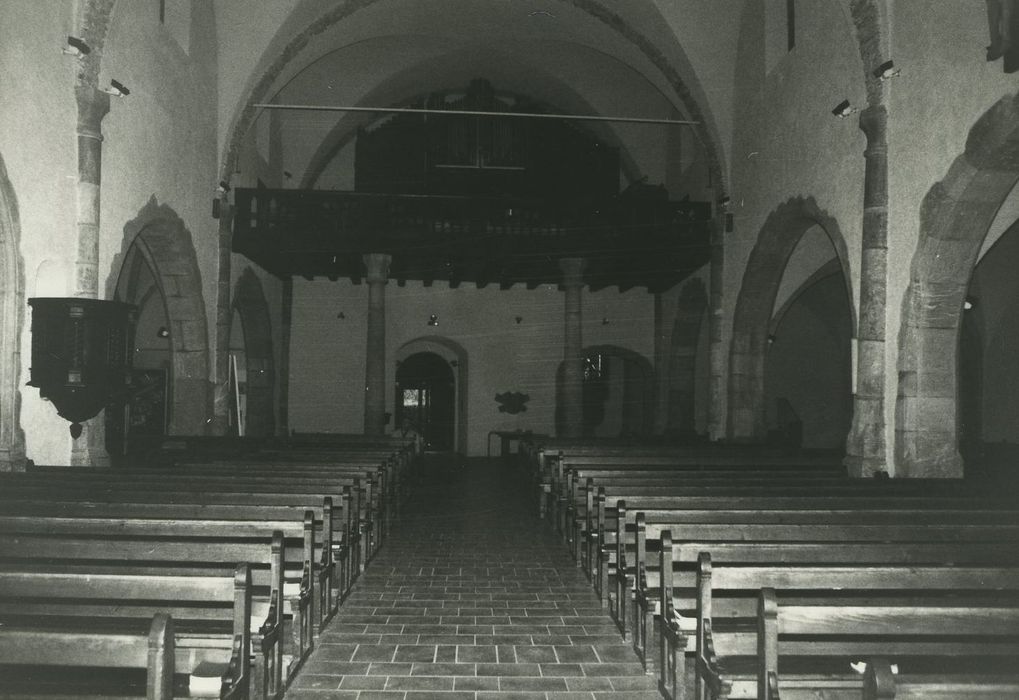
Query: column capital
{"x": 377, "y": 267}
{"x": 93, "y": 105}
{"x": 573, "y": 271}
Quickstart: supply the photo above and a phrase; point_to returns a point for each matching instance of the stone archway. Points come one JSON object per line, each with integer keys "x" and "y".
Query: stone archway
{"x": 250, "y": 304}
{"x": 12, "y": 304}
{"x": 161, "y": 237}
{"x": 954, "y": 219}
{"x": 776, "y": 242}
{"x": 690, "y": 315}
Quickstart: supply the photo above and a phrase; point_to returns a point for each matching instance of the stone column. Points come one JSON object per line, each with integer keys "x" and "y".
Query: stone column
{"x": 90, "y": 447}
{"x": 287, "y": 315}
{"x": 224, "y": 317}
{"x": 573, "y": 348}
{"x": 865, "y": 446}
{"x": 716, "y": 351}
{"x": 377, "y": 266}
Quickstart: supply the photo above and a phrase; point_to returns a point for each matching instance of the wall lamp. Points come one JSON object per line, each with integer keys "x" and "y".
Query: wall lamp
{"x": 117, "y": 89}
{"x": 77, "y": 47}
{"x": 886, "y": 71}
{"x": 969, "y": 304}
{"x": 433, "y": 320}
{"x": 843, "y": 109}
{"x": 163, "y": 332}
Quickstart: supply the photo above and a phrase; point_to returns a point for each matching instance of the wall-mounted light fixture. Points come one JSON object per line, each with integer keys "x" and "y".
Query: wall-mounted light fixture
{"x": 605, "y": 321}
{"x": 433, "y": 320}
{"x": 287, "y": 174}
{"x": 886, "y": 71}
{"x": 341, "y": 316}
{"x": 519, "y": 319}
{"x": 843, "y": 109}
{"x": 77, "y": 47}
{"x": 117, "y": 89}
{"x": 969, "y": 304}
{"x": 772, "y": 338}
{"x": 163, "y": 332}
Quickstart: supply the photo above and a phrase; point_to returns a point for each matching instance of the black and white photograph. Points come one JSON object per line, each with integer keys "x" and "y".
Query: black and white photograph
{"x": 509, "y": 349}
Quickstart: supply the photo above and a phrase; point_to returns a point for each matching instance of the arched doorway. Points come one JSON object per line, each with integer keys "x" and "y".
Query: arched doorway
{"x": 251, "y": 357}
{"x": 12, "y": 303}
{"x": 755, "y": 307}
{"x": 426, "y": 399}
{"x": 159, "y": 273}
{"x": 618, "y": 393}
{"x": 956, "y": 216}
{"x": 457, "y": 363}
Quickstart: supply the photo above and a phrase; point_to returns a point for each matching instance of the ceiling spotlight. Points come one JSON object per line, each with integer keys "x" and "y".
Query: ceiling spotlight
{"x": 844, "y": 109}
{"x": 77, "y": 47}
{"x": 163, "y": 332}
{"x": 117, "y": 89}
{"x": 886, "y": 71}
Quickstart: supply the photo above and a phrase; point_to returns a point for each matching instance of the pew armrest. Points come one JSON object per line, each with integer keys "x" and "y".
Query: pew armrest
{"x": 708, "y": 668}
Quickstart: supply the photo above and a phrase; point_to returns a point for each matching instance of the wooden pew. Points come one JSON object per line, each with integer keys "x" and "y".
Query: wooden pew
{"x": 327, "y": 565}
{"x": 156, "y": 544}
{"x": 590, "y": 494}
{"x": 355, "y": 519}
{"x": 813, "y": 524}
{"x": 848, "y": 494}
{"x": 211, "y": 612}
{"x": 152, "y": 650}
{"x": 739, "y": 569}
{"x": 949, "y": 638}
{"x": 346, "y": 550}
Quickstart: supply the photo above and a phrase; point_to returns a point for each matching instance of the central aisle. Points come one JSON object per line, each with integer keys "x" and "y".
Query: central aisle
{"x": 470, "y": 597}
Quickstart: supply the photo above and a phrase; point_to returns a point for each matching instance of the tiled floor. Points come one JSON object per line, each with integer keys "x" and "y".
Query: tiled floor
{"x": 472, "y": 598}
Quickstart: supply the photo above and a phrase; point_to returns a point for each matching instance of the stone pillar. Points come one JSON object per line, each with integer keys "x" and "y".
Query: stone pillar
{"x": 287, "y": 315}
{"x": 865, "y": 446}
{"x": 224, "y": 318}
{"x": 716, "y": 351}
{"x": 377, "y": 266}
{"x": 93, "y": 105}
{"x": 90, "y": 447}
{"x": 573, "y": 348}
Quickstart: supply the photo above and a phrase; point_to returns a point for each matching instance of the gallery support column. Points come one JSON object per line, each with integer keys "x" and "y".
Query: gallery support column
{"x": 377, "y": 266}
{"x": 865, "y": 446}
{"x": 93, "y": 105}
{"x": 573, "y": 348}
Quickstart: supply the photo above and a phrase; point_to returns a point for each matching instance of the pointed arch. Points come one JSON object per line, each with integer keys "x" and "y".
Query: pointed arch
{"x": 779, "y": 235}
{"x": 160, "y": 236}
{"x": 954, "y": 219}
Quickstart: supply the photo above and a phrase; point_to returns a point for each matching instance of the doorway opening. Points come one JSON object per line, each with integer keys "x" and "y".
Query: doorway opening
{"x": 425, "y": 400}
